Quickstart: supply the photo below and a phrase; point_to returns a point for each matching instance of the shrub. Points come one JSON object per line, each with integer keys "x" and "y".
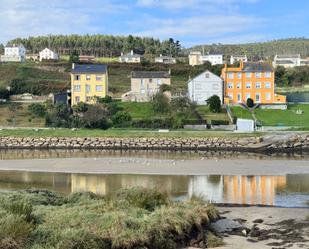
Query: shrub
{"x": 220, "y": 122}
{"x": 122, "y": 119}
{"x": 148, "y": 199}
{"x": 160, "y": 103}
{"x": 214, "y": 104}
{"x": 106, "y": 99}
{"x": 59, "y": 116}
{"x": 165, "y": 88}
{"x": 80, "y": 107}
{"x": 156, "y": 123}
{"x": 4, "y": 93}
{"x": 37, "y": 109}
{"x": 250, "y": 102}
{"x": 17, "y": 205}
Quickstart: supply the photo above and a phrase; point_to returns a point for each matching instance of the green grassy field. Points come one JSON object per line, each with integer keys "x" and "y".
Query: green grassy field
{"x": 22, "y": 117}
{"x": 122, "y": 133}
{"x": 284, "y": 118}
{"x": 287, "y": 117}
{"x": 208, "y": 115}
{"x": 241, "y": 113}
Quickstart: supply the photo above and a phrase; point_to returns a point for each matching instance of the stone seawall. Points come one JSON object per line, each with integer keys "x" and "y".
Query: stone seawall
{"x": 296, "y": 142}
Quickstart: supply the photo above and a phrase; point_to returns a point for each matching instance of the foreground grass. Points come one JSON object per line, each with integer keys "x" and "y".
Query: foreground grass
{"x": 120, "y": 133}
{"x": 208, "y": 115}
{"x": 134, "y": 218}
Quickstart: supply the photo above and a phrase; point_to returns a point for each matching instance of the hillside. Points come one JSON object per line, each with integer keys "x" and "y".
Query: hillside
{"x": 259, "y": 50}
{"x": 46, "y": 78}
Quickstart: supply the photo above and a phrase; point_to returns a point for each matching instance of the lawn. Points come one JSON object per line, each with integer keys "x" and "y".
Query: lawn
{"x": 284, "y": 118}
{"x": 208, "y": 115}
{"x": 287, "y": 117}
{"x": 241, "y": 113}
{"x": 120, "y": 133}
{"x": 22, "y": 117}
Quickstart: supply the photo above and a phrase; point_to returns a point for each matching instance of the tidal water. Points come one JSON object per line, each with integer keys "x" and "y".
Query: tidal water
{"x": 277, "y": 190}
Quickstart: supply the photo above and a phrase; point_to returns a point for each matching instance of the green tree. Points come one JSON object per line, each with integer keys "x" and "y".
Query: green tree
{"x": 214, "y": 104}
{"x": 122, "y": 119}
{"x": 14, "y": 109}
{"x": 74, "y": 57}
{"x": 4, "y": 93}
{"x": 37, "y": 109}
{"x": 250, "y": 102}
{"x": 160, "y": 103}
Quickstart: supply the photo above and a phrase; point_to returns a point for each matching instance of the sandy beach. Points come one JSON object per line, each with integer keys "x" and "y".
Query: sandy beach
{"x": 159, "y": 167}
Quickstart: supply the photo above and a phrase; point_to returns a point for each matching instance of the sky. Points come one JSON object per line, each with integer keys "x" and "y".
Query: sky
{"x": 192, "y": 22}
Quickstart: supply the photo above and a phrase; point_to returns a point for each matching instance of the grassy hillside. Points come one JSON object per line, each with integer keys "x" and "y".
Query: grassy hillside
{"x": 259, "y": 50}
{"x": 36, "y": 78}
{"x": 46, "y": 78}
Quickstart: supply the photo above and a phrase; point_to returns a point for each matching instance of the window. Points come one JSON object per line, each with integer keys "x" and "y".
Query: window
{"x": 267, "y": 85}
{"x": 239, "y": 75}
{"x": 238, "y": 97}
{"x": 267, "y": 75}
{"x": 77, "y": 99}
{"x": 88, "y": 77}
{"x": 229, "y": 85}
{"x": 230, "y": 75}
{"x": 248, "y": 85}
{"x": 258, "y": 85}
{"x": 142, "y": 83}
{"x": 207, "y": 75}
{"x": 248, "y": 75}
{"x": 159, "y": 82}
{"x": 150, "y": 80}
{"x": 99, "y": 88}
{"x": 258, "y": 75}
{"x": 268, "y": 96}
{"x": 230, "y": 95}
{"x": 238, "y": 86}
{"x": 248, "y": 95}
{"x": 77, "y": 77}
{"x": 198, "y": 87}
{"x": 88, "y": 88}
{"x": 88, "y": 99}
{"x": 258, "y": 97}
{"x": 99, "y": 77}
{"x": 76, "y": 88}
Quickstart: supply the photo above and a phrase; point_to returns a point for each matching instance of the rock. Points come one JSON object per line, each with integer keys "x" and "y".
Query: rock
{"x": 258, "y": 221}
{"x": 225, "y": 226}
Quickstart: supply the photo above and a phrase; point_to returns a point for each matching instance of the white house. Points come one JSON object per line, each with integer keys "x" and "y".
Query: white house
{"x": 165, "y": 59}
{"x": 47, "y": 54}
{"x": 235, "y": 58}
{"x": 204, "y": 86}
{"x": 196, "y": 58}
{"x": 14, "y": 53}
{"x": 131, "y": 58}
{"x": 287, "y": 61}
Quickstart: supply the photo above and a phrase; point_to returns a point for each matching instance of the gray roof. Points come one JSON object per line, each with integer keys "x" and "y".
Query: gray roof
{"x": 284, "y": 62}
{"x": 257, "y": 67}
{"x": 89, "y": 68}
{"x": 288, "y": 56}
{"x": 150, "y": 74}
{"x": 239, "y": 56}
{"x": 165, "y": 57}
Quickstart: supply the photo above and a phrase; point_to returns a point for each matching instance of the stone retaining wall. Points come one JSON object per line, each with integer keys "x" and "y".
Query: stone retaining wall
{"x": 247, "y": 144}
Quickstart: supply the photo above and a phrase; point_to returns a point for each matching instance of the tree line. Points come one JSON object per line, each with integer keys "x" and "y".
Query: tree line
{"x": 99, "y": 45}
{"x": 259, "y": 50}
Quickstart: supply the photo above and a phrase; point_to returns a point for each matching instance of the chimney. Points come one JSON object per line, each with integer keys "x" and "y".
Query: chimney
{"x": 73, "y": 65}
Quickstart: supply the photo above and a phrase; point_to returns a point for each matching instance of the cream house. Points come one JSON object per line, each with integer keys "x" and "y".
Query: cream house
{"x": 144, "y": 84}
{"x": 47, "y": 54}
{"x": 131, "y": 58}
{"x": 14, "y": 53}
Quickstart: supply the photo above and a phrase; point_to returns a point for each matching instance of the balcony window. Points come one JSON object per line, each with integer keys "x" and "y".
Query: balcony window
{"x": 258, "y": 75}
{"x": 248, "y": 75}
{"x": 238, "y": 86}
{"x": 268, "y": 96}
{"x": 77, "y": 99}
{"x": 88, "y": 77}
{"x": 230, "y": 85}
{"x": 77, "y": 77}
{"x": 239, "y": 75}
{"x": 257, "y": 97}
{"x": 88, "y": 88}
{"x": 248, "y": 95}
{"x": 99, "y": 77}
{"x": 248, "y": 85}
{"x": 258, "y": 85}
{"x": 238, "y": 97}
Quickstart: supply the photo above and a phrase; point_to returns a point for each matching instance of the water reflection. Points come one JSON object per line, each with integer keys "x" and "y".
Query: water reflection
{"x": 265, "y": 190}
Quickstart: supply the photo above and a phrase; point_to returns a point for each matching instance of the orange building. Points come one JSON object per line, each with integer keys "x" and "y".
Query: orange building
{"x": 250, "y": 80}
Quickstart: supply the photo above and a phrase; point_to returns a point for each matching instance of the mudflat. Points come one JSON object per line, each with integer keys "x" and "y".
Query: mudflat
{"x": 131, "y": 165}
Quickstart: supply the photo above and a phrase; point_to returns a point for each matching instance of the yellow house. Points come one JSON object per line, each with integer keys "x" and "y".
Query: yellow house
{"x": 88, "y": 81}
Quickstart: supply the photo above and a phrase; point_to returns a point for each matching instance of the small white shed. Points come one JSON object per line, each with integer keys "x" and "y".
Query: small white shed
{"x": 245, "y": 125}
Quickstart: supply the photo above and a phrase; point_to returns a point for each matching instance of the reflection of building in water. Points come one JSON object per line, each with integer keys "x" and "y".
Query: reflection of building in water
{"x": 208, "y": 187}
{"x": 252, "y": 189}
{"x": 104, "y": 184}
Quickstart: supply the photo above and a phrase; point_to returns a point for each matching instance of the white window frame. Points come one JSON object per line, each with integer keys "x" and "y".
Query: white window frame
{"x": 88, "y": 88}
{"x": 258, "y": 85}
{"x": 77, "y": 88}
{"x": 230, "y": 75}
{"x": 256, "y": 99}
{"x": 268, "y": 96}
{"x": 258, "y": 75}
{"x": 267, "y": 75}
{"x": 248, "y": 84}
{"x": 99, "y": 88}
{"x": 99, "y": 77}
{"x": 268, "y": 85}
{"x": 230, "y": 85}
{"x": 248, "y": 75}
{"x": 88, "y": 77}
{"x": 238, "y": 85}
{"x": 248, "y": 96}
{"x": 239, "y": 100}
{"x": 239, "y": 75}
